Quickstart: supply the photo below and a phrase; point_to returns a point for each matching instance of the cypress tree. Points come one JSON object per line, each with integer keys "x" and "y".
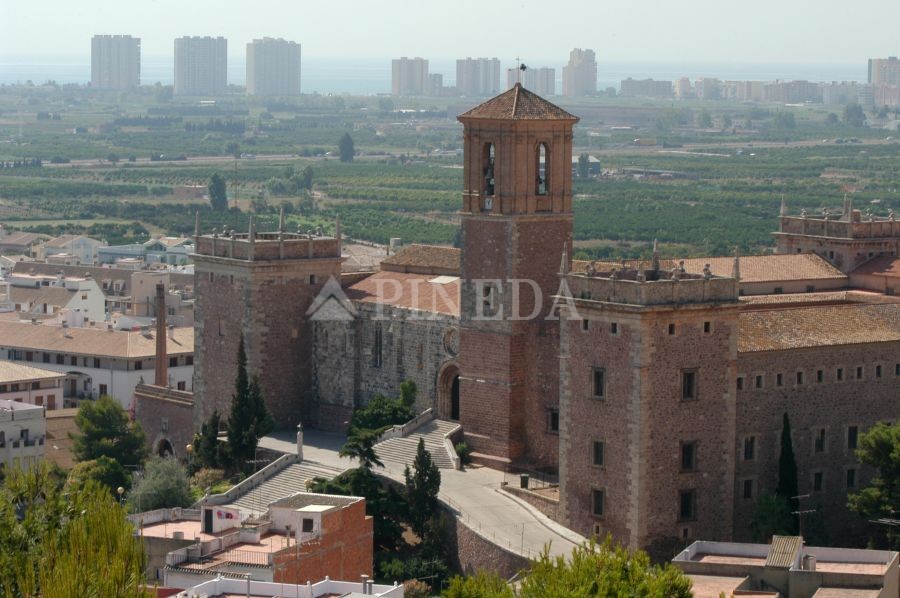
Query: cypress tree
{"x": 787, "y": 487}
{"x": 249, "y": 419}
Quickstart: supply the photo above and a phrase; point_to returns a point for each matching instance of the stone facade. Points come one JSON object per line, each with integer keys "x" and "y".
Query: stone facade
{"x": 259, "y": 287}
{"x": 351, "y": 367}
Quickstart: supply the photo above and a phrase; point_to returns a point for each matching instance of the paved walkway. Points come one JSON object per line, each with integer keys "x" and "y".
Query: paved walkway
{"x": 473, "y": 493}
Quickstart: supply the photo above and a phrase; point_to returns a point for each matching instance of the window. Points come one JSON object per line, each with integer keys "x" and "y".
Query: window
{"x": 60, "y": 358}
{"x": 307, "y": 526}
{"x": 852, "y": 437}
{"x": 671, "y": 328}
{"x": 597, "y": 453}
{"x": 749, "y": 448}
{"x": 73, "y": 360}
{"x": 3, "y": 388}
{"x": 840, "y": 374}
{"x": 14, "y": 387}
{"x": 189, "y": 360}
{"x": 778, "y": 290}
{"x": 688, "y": 456}
{"x": 598, "y": 500}
{"x": 897, "y": 369}
{"x": 820, "y": 376}
{"x": 759, "y": 382}
{"x": 138, "y": 365}
{"x": 707, "y": 327}
{"x": 488, "y": 157}
{"x": 687, "y": 506}
{"x": 182, "y": 386}
{"x": 747, "y": 489}
{"x": 312, "y": 279}
{"x": 599, "y": 383}
{"x": 740, "y": 383}
{"x": 688, "y": 385}
{"x": 29, "y": 355}
{"x": 799, "y": 378}
{"x": 35, "y": 386}
{"x": 103, "y": 390}
{"x": 810, "y": 288}
{"x": 377, "y": 349}
{"x": 859, "y": 372}
{"x": 779, "y": 379}
{"x": 585, "y": 325}
{"x": 542, "y": 156}
{"x": 173, "y": 362}
{"x": 819, "y": 441}
{"x": 84, "y": 296}
{"x": 46, "y": 358}
{"x": 851, "y": 478}
{"x": 818, "y": 481}
{"x": 96, "y": 362}
{"x": 553, "y": 421}
{"x": 614, "y": 328}
{"x": 878, "y": 371}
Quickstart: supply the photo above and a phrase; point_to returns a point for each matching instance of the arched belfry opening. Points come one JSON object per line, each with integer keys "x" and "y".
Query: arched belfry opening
{"x": 164, "y": 448}
{"x": 542, "y": 168}
{"x": 489, "y": 156}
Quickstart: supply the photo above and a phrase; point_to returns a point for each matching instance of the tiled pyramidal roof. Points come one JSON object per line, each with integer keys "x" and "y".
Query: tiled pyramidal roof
{"x": 518, "y": 103}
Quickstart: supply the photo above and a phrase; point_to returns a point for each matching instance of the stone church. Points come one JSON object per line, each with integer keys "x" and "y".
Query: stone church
{"x": 655, "y": 389}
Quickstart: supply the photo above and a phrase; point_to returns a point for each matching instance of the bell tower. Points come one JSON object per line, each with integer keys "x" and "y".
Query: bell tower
{"x": 516, "y": 222}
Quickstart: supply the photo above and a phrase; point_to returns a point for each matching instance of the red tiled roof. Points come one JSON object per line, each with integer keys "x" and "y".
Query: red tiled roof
{"x": 779, "y": 329}
{"x": 411, "y": 291}
{"x": 517, "y": 103}
{"x": 885, "y": 265}
{"x": 424, "y": 259}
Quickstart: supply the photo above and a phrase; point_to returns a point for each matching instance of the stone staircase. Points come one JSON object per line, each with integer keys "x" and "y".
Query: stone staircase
{"x": 403, "y": 450}
{"x": 288, "y": 481}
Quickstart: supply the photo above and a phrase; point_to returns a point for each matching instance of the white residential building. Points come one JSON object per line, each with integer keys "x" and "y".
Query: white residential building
{"x": 273, "y": 67}
{"x": 23, "y": 430}
{"x": 47, "y": 295}
{"x": 201, "y": 66}
{"x": 115, "y": 62}
{"x": 99, "y": 360}
{"x": 82, "y": 249}
{"x": 29, "y": 385}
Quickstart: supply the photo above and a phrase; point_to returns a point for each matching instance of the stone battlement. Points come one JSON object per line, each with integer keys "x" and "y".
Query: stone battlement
{"x": 651, "y": 287}
{"x": 268, "y": 246}
{"x": 848, "y": 226}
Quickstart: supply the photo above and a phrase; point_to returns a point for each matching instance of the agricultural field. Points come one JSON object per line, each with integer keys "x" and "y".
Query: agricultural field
{"x": 115, "y": 167}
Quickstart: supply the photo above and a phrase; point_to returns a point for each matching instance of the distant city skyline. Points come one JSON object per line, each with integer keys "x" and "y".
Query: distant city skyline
{"x": 769, "y": 31}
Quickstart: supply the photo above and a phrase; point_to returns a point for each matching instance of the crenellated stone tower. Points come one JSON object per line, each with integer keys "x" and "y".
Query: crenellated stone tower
{"x": 516, "y": 222}
{"x": 259, "y": 285}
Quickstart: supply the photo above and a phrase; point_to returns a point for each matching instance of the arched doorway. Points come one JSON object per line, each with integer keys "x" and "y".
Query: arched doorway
{"x": 448, "y": 392}
{"x": 164, "y": 448}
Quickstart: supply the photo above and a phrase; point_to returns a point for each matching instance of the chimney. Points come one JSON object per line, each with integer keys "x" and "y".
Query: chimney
{"x": 162, "y": 357}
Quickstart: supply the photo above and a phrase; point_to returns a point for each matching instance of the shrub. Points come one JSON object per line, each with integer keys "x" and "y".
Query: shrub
{"x": 464, "y": 452}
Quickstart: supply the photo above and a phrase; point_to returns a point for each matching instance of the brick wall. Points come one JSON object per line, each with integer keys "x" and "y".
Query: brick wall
{"x": 344, "y": 551}
{"x": 165, "y": 414}
{"x": 831, "y": 405}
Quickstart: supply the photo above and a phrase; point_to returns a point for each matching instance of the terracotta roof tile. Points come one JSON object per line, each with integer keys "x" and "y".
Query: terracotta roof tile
{"x": 754, "y": 268}
{"x": 411, "y": 291}
{"x": 11, "y": 371}
{"x": 424, "y": 259}
{"x": 92, "y": 341}
{"x": 780, "y": 329}
{"x": 517, "y": 103}
{"x": 885, "y": 265}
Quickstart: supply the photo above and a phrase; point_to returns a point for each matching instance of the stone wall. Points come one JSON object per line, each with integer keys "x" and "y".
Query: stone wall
{"x": 830, "y": 405}
{"x": 544, "y": 504}
{"x": 642, "y": 421}
{"x": 471, "y": 552}
{"x": 165, "y": 415}
{"x": 348, "y": 373}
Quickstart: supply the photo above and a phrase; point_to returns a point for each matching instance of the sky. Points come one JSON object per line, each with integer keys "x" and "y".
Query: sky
{"x": 669, "y": 31}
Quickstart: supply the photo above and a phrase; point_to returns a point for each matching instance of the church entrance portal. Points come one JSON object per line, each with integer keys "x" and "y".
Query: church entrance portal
{"x": 448, "y": 392}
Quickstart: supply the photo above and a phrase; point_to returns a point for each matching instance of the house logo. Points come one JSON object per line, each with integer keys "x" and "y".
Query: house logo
{"x": 332, "y": 304}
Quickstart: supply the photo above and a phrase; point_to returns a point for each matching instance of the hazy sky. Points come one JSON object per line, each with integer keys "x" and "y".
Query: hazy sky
{"x": 711, "y": 31}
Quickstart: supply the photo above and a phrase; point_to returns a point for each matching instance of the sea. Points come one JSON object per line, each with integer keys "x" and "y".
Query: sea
{"x": 370, "y": 76}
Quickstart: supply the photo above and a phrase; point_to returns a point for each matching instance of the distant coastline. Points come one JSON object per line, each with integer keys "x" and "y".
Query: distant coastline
{"x": 373, "y": 76}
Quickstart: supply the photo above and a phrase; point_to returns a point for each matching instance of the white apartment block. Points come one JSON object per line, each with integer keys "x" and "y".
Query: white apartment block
{"x": 23, "y": 430}
{"x": 478, "y": 77}
{"x": 409, "y": 77}
{"x": 273, "y": 67}
{"x": 201, "y": 66}
{"x": 115, "y": 62}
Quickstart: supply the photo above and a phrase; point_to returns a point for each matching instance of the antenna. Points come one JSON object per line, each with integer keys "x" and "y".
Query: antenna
{"x": 800, "y": 513}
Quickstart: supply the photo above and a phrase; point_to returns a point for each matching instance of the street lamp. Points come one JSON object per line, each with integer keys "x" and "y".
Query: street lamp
{"x": 121, "y": 492}
{"x": 190, "y": 452}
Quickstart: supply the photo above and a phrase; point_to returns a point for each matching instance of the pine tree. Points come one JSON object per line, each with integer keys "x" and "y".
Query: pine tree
{"x": 787, "y": 487}
{"x": 218, "y": 196}
{"x": 345, "y": 148}
{"x": 422, "y": 487}
{"x": 206, "y": 443}
{"x": 106, "y": 431}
